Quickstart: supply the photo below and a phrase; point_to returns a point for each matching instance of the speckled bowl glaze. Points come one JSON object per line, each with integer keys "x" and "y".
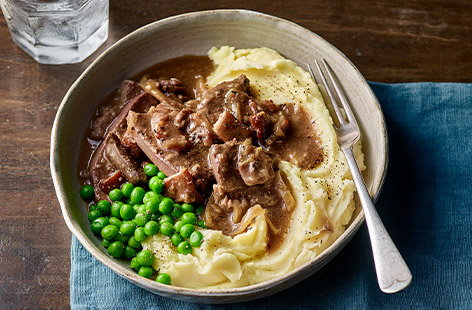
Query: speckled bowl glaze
{"x": 195, "y": 33}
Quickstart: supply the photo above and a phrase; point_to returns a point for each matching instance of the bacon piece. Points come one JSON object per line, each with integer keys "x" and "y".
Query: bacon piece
{"x": 227, "y": 127}
{"x": 163, "y": 125}
{"x": 113, "y": 181}
{"x": 181, "y": 187}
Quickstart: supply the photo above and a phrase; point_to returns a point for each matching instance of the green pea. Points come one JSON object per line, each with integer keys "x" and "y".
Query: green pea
{"x": 115, "y": 194}
{"x": 115, "y": 222}
{"x": 145, "y": 258}
{"x": 116, "y": 249}
{"x": 129, "y": 252}
{"x": 196, "y": 239}
{"x": 130, "y": 202}
{"x": 104, "y": 207}
{"x": 93, "y": 215}
{"x": 96, "y": 228}
{"x": 142, "y": 209}
{"x": 133, "y": 243}
{"x": 136, "y": 208}
{"x": 137, "y": 195}
{"x": 146, "y": 272}
{"x": 106, "y": 243}
{"x": 87, "y": 192}
{"x": 121, "y": 237}
{"x": 156, "y": 184}
{"x": 199, "y": 210}
{"x": 201, "y": 224}
{"x": 128, "y": 228}
{"x": 152, "y": 205}
{"x": 178, "y": 225}
{"x": 98, "y": 224}
{"x": 167, "y": 229}
{"x": 163, "y": 278}
{"x": 139, "y": 234}
{"x": 127, "y": 212}
{"x": 189, "y": 218}
{"x": 142, "y": 218}
{"x": 176, "y": 239}
{"x": 103, "y": 220}
{"x": 109, "y": 232}
{"x": 126, "y": 189}
{"x": 151, "y": 228}
{"x": 184, "y": 248}
{"x": 161, "y": 175}
{"x": 186, "y": 207}
{"x": 187, "y": 230}
{"x": 92, "y": 207}
{"x": 177, "y": 211}
{"x": 166, "y": 218}
{"x": 134, "y": 264}
{"x": 150, "y": 170}
{"x": 115, "y": 209}
{"x": 151, "y": 195}
{"x": 166, "y": 205}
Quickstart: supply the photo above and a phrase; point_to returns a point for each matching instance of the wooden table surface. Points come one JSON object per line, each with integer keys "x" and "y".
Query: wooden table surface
{"x": 389, "y": 41}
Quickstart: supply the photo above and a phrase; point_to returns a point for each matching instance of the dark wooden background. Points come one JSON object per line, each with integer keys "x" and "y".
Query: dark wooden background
{"x": 389, "y": 41}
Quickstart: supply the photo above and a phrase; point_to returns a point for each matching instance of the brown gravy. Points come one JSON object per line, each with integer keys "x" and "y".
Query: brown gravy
{"x": 300, "y": 147}
{"x": 184, "y": 68}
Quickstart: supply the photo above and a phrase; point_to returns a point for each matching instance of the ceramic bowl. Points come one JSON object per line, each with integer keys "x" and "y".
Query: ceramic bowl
{"x": 195, "y": 33}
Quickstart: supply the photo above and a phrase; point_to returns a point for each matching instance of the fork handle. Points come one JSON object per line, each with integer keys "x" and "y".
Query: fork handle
{"x": 393, "y": 274}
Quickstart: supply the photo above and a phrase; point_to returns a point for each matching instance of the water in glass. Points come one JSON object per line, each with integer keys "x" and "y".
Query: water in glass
{"x": 57, "y": 31}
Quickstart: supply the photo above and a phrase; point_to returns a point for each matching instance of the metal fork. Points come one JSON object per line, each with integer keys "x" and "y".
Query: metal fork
{"x": 393, "y": 274}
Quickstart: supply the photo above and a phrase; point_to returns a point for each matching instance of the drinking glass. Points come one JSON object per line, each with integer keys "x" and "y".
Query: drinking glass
{"x": 57, "y": 31}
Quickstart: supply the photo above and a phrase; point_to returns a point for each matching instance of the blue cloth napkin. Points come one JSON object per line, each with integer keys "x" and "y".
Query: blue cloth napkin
{"x": 426, "y": 205}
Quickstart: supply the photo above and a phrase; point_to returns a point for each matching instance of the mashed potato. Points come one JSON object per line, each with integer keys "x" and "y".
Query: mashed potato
{"x": 324, "y": 196}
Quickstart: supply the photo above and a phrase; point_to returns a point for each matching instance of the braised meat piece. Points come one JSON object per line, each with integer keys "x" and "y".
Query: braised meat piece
{"x": 234, "y": 114}
{"x": 127, "y": 91}
{"x": 254, "y": 165}
{"x": 131, "y": 146}
{"x": 261, "y": 123}
{"x": 162, "y": 120}
{"x": 221, "y": 159}
{"x": 113, "y": 181}
{"x": 232, "y": 198}
{"x": 235, "y": 165}
{"x": 268, "y": 120}
{"x": 181, "y": 187}
{"x": 141, "y": 104}
{"x": 123, "y": 162}
{"x": 182, "y": 118}
{"x": 214, "y": 100}
{"x": 200, "y": 129}
{"x": 111, "y": 165}
{"x": 228, "y": 127}
{"x": 237, "y": 101}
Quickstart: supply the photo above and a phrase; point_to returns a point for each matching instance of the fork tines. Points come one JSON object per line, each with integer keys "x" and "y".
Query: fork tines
{"x": 332, "y": 95}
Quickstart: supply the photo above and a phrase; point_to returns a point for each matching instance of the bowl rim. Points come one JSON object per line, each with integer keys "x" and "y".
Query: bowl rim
{"x": 125, "y": 272}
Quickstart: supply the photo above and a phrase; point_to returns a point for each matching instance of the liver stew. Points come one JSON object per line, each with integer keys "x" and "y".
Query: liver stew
{"x": 218, "y": 146}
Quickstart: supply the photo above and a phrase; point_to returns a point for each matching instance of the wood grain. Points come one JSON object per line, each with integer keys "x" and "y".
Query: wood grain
{"x": 389, "y": 41}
